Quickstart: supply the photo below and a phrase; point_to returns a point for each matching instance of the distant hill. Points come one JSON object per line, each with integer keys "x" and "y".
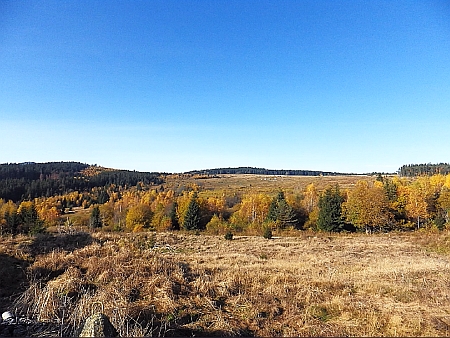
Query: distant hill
{"x": 263, "y": 171}
{"x": 21, "y": 181}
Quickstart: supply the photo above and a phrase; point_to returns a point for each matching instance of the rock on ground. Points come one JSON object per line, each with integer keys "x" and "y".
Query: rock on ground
{"x": 98, "y": 325}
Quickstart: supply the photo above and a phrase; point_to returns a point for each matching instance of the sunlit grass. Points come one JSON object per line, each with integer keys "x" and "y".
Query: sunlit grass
{"x": 309, "y": 285}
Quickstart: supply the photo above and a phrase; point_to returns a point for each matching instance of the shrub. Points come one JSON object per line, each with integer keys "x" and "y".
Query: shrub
{"x": 216, "y": 226}
{"x": 267, "y": 232}
{"x": 229, "y": 236}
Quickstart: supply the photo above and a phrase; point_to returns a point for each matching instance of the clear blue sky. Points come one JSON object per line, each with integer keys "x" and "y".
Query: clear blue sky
{"x": 349, "y": 86}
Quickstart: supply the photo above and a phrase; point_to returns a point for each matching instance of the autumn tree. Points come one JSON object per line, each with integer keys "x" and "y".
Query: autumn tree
{"x": 138, "y": 217}
{"x": 390, "y": 190}
{"x": 253, "y": 209}
{"x": 217, "y": 225}
{"x": 310, "y": 204}
{"x": 416, "y": 206}
{"x": 164, "y": 211}
{"x": 330, "y": 210}
{"x": 8, "y": 217}
{"x": 444, "y": 203}
{"x": 107, "y": 211}
{"x": 216, "y": 206}
{"x": 182, "y": 203}
{"x": 311, "y": 197}
{"x": 159, "y": 217}
{"x": 367, "y": 206}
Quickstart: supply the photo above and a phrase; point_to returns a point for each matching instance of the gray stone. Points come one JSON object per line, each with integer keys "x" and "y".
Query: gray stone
{"x": 98, "y": 325}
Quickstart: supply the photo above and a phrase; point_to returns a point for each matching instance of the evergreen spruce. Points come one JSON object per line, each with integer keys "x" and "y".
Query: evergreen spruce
{"x": 281, "y": 212}
{"x": 28, "y": 220}
{"x": 192, "y": 217}
{"x": 10, "y": 226}
{"x": 173, "y": 217}
{"x": 95, "y": 220}
{"x": 229, "y": 236}
{"x": 330, "y": 210}
{"x": 272, "y": 215}
{"x": 103, "y": 197}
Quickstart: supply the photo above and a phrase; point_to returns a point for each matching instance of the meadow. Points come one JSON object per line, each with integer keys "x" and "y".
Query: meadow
{"x": 176, "y": 283}
{"x": 248, "y": 183}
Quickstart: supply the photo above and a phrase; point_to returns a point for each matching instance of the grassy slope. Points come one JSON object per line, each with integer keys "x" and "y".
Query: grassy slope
{"x": 231, "y": 184}
{"x": 311, "y": 285}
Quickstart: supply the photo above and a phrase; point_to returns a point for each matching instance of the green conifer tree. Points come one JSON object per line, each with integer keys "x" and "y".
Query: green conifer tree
{"x": 28, "y": 219}
{"x": 95, "y": 219}
{"x": 173, "y": 216}
{"x": 10, "y": 222}
{"x": 192, "y": 217}
{"x": 330, "y": 210}
{"x": 281, "y": 212}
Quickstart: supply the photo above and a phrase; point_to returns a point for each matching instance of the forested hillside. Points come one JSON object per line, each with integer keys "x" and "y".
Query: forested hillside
{"x": 26, "y": 181}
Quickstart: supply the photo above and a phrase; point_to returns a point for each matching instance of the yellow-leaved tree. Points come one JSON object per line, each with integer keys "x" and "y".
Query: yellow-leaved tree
{"x": 444, "y": 203}
{"x": 139, "y": 216}
{"x": 311, "y": 198}
{"x": 416, "y": 205}
{"x": 367, "y": 207}
{"x": 8, "y": 215}
{"x": 253, "y": 210}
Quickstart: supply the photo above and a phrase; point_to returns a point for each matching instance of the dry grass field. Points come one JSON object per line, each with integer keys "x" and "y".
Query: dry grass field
{"x": 184, "y": 284}
{"x": 230, "y": 184}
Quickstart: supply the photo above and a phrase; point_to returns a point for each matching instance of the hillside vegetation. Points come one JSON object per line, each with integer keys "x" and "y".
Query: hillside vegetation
{"x": 26, "y": 181}
{"x": 74, "y": 194}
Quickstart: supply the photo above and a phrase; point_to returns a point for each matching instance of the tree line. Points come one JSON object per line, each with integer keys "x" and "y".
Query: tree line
{"x": 262, "y": 171}
{"x": 371, "y": 205}
{"x": 412, "y": 170}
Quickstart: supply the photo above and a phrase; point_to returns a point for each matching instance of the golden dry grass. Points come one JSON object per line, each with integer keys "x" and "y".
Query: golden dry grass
{"x": 310, "y": 285}
{"x": 231, "y": 184}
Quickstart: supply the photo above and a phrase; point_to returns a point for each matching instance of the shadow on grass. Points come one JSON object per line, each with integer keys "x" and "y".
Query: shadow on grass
{"x": 45, "y": 243}
{"x": 13, "y": 271}
{"x": 158, "y": 326}
{"x": 13, "y": 280}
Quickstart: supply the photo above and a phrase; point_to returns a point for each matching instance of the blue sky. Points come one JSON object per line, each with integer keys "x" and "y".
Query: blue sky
{"x": 173, "y": 86}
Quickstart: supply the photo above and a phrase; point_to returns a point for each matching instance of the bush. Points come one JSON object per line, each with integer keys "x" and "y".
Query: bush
{"x": 229, "y": 236}
{"x": 216, "y": 226}
{"x": 267, "y": 233}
